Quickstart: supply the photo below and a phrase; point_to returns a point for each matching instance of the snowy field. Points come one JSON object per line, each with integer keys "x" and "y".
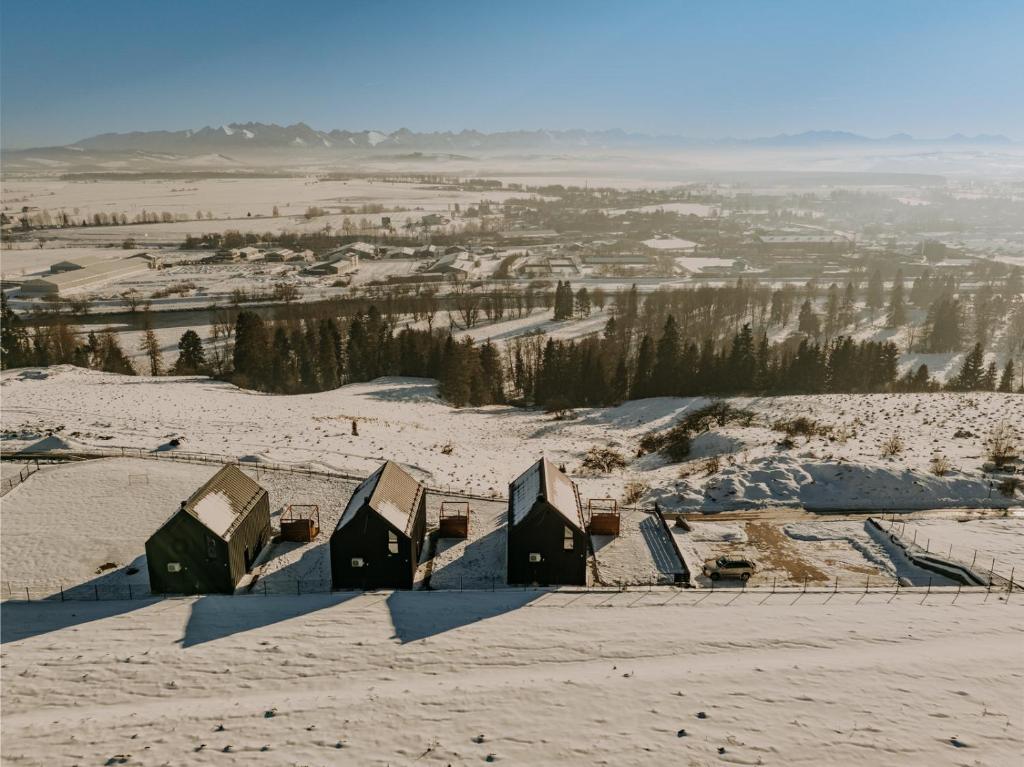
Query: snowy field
{"x": 520, "y": 677}
{"x": 403, "y": 419}
{"x": 245, "y": 204}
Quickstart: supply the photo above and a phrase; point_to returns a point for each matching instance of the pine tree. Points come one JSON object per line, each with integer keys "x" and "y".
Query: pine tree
{"x": 808, "y": 321}
{"x": 15, "y": 351}
{"x": 250, "y": 353}
{"x": 970, "y": 376}
{"x": 643, "y": 378}
{"x": 832, "y": 307}
{"x": 583, "y": 302}
{"x": 619, "y": 390}
{"x": 988, "y": 380}
{"x": 492, "y": 374}
{"x": 897, "y": 314}
{"x": 667, "y": 373}
{"x": 1006, "y": 380}
{"x": 875, "y": 298}
{"x": 283, "y": 364}
{"x": 742, "y": 364}
{"x": 112, "y": 357}
{"x": 151, "y": 347}
{"x": 942, "y": 326}
{"x": 328, "y": 353}
{"x": 191, "y": 356}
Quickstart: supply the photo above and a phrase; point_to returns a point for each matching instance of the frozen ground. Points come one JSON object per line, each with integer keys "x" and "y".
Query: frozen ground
{"x": 480, "y": 449}
{"x": 65, "y": 522}
{"x": 673, "y": 677}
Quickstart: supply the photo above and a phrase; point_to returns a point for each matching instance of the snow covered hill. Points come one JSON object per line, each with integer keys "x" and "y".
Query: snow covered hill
{"x": 528, "y": 677}
{"x": 481, "y": 450}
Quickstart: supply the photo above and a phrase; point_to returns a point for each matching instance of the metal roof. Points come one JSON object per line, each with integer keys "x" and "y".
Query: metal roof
{"x": 391, "y": 492}
{"x": 224, "y": 500}
{"x": 544, "y": 480}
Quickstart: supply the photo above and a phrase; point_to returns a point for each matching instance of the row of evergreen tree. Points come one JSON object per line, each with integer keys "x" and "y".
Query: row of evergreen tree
{"x": 627, "y": 361}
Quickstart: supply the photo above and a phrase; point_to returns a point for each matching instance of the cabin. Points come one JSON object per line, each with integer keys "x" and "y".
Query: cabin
{"x": 547, "y": 539}
{"x": 213, "y": 539}
{"x": 379, "y": 537}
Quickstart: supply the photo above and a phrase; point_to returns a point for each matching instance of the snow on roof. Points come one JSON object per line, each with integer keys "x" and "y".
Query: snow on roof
{"x": 359, "y": 497}
{"x": 226, "y": 497}
{"x": 523, "y": 492}
{"x": 544, "y": 480}
{"x": 561, "y": 493}
{"x": 670, "y": 243}
{"x": 214, "y": 511}
{"x": 391, "y": 492}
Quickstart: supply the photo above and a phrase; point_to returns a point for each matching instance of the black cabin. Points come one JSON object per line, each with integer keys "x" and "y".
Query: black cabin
{"x": 211, "y": 541}
{"x": 377, "y": 542}
{"x": 547, "y": 539}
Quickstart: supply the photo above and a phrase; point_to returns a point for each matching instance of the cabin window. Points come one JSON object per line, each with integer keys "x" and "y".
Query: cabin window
{"x": 211, "y": 548}
{"x": 392, "y": 542}
{"x": 174, "y": 567}
{"x": 567, "y": 539}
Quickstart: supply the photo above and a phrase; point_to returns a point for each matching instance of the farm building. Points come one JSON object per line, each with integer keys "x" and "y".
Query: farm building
{"x": 547, "y": 539}
{"x": 93, "y": 273}
{"x": 378, "y": 539}
{"x": 212, "y": 540}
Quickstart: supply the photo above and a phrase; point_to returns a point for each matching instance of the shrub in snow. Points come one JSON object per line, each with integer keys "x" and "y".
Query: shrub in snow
{"x": 633, "y": 492}
{"x": 1002, "y": 444}
{"x": 892, "y": 447}
{"x": 602, "y": 460}
{"x": 940, "y": 466}
{"x": 1010, "y": 486}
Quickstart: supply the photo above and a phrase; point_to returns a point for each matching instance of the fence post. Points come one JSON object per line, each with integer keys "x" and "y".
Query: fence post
{"x": 805, "y": 583}
{"x": 929, "y": 591}
{"x": 834, "y": 590}
{"x": 950, "y": 554}
{"x": 129, "y": 592}
{"x": 28, "y": 597}
{"x": 1009, "y": 589}
{"x": 62, "y": 592}
{"x": 915, "y": 537}
{"x": 298, "y": 586}
{"x": 867, "y": 584}
{"x": 975, "y": 558}
{"x": 96, "y": 591}
{"x": 927, "y": 546}
{"x": 773, "y": 585}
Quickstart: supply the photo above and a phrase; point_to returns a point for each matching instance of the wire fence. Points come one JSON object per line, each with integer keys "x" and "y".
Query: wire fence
{"x": 281, "y": 587}
{"x": 982, "y": 566}
{"x": 9, "y": 483}
{"x": 222, "y": 460}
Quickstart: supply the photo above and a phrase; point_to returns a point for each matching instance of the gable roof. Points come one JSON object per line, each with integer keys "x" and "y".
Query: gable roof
{"x": 224, "y": 500}
{"x": 391, "y": 492}
{"x": 544, "y": 480}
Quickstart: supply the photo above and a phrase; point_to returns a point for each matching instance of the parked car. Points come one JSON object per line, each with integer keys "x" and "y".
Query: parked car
{"x": 728, "y": 567}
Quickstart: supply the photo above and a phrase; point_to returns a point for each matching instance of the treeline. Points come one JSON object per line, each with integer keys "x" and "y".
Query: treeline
{"x": 296, "y": 356}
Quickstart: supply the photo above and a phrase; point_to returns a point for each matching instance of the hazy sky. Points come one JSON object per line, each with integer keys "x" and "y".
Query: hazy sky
{"x": 73, "y": 69}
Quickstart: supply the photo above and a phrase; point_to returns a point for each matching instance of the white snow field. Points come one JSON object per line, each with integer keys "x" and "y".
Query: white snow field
{"x": 480, "y": 450}
{"x": 517, "y": 677}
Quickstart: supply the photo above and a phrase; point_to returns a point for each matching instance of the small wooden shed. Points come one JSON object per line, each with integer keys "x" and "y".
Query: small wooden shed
{"x": 379, "y": 537}
{"x": 547, "y": 539}
{"x": 213, "y": 538}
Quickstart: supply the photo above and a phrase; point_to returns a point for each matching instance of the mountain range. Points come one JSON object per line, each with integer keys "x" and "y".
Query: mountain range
{"x": 253, "y": 135}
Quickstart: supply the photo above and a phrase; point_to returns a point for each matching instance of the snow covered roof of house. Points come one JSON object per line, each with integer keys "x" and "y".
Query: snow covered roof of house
{"x": 544, "y": 480}
{"x": 812, "y": 239}
{"x": 391, "y": 492}
{"x": 225, "y": 498}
